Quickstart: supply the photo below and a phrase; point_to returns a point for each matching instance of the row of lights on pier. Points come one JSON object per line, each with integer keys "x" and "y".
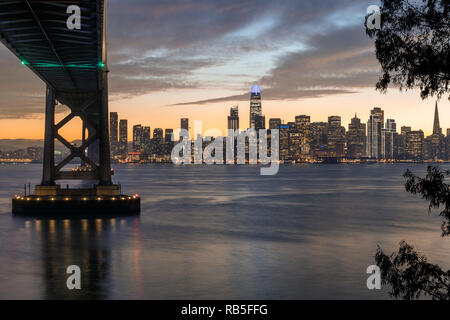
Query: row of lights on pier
{"x": 84, "y": 198}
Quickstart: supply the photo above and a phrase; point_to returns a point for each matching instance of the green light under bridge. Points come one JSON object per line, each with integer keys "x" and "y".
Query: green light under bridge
{"x": 100, "y": 65}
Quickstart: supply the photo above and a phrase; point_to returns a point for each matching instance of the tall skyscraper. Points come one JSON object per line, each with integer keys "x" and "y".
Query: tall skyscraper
{"x": 145, "y": 137}
{"x": 435, "y": 144}
{"x": 374, "y": 126}
{"x": 274, "y": 123}
{"x": 379, "y": 113}
{"x": 158, "y": 141}
{"x": 303, "y": 127}
{"x": 233, "y": 118}
{"x": 319, "y": 136}
{"x": 168, "y": 143}
{"x": 185, "y": 123}
{"x": 436, "y": 125}
{"x": 402, "y": 142}
{"x": 137, "y": 137}
{"x": 284, "y": 142}
{"x": 123, "y": 137}
{"x": 255, "y": 105}
{"x": 113, "y": 132}
{"x": 335, "y": 137}
{"x": 356, "y": 138}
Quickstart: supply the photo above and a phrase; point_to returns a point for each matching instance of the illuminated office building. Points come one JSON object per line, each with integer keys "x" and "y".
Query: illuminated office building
{"x": 389, "y": 140}
{"x": 255, "y": 105}
{"x": 356, "y": 139}
{"x": 414, "y": 144}
{"x": 274, "y": 123}
{"x": 373, "y": 145}
{"x": 114, "y": 132}
{"x": 123, "y": 137}
{"x": 233, "y": 118}
{"x": 335, "y": 137}
{"x": 137, "y": 138}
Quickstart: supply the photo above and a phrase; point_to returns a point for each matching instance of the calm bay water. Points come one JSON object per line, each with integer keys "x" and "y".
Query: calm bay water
{"x": 221, "y": 232}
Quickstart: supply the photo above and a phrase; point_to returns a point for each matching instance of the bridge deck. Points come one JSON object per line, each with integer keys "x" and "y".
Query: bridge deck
{"x": 69, "y": 61}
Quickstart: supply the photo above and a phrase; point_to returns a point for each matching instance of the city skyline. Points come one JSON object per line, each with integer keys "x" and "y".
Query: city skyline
{"x": 302, "y": 140}
{"x": 237, "y": 113}
{"x": 319, "y": 63}
{"x": 318, "y": 114}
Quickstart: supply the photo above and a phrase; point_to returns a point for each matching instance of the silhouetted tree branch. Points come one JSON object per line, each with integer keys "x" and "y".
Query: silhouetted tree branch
{"x": 409, "y": 274}
{"x": 413, "y": 46}
{"x": 433, "y": 189}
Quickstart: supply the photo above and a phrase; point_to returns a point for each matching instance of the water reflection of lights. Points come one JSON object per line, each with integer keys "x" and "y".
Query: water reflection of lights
{"x": 84, "y": 224}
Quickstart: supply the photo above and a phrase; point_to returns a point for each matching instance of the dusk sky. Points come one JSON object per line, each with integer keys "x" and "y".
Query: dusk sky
{"x": 197, "y": 58}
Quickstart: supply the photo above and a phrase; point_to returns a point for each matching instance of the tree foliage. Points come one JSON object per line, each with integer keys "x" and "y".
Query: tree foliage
{"x": 408, "y": 273}
{"x": 411, "y": 276}
{"x": 433, "y": 189}
{"x": 413, "y": 46}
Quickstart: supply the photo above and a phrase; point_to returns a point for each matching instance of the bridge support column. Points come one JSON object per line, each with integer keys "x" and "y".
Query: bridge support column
{"x": 48, "y": 175}
{"x": 105, "y": 157}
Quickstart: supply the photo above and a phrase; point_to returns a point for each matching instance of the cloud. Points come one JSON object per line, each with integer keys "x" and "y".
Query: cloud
{"x": 294, "y": 49}
{"x": 271, "y": 94}
{"x": 159, "y": 45}
{"x": 337, "y": 62}
{"x": 22, "y": 94}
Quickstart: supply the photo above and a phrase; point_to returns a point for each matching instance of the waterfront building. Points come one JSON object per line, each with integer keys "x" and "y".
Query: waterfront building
{"x": 123, "y": 137}
{"x": 114, "y": 132}
{"x": 303, "y": 127}
{"x": 389, "y": 140}
{"x": 402, "y": 142}
{"x": 414, "y": 144}
{"x": 145, "y": 137}
{"x": 158, "y": 141}
{"x": 373, "y": 144}
{"x": 168, "y": 143}
{"x": 380, "y": 114}
{"x": 335, "y": 137}
{"x": 356, "y": 139}
{"x": 35, "y": 153}
{"x": 295, "y": 144}
{"x": 319, "y": 133}
{"x": 284, "y": 142}
{"x": 137, "y": 137}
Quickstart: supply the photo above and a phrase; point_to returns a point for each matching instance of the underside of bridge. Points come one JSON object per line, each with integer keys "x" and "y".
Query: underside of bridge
{"x": 72, "y": 61}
